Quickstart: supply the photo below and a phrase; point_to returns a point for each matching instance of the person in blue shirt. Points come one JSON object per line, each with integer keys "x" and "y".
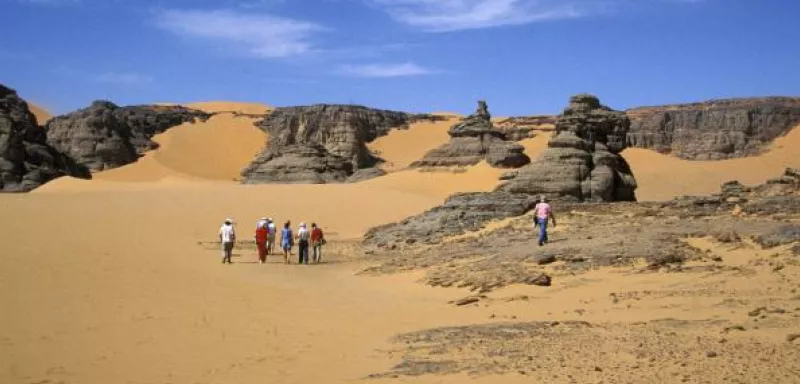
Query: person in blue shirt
{"x": 287, "y": 241}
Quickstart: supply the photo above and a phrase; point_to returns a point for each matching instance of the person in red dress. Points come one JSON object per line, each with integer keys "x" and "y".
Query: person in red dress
{"x": 261, "y": 240}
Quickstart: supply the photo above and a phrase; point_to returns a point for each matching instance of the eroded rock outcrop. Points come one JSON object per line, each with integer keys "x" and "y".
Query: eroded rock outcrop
{"x": 322, "y": 143}
{"x": 475, "y": 139}
{"x": 524, "y": 127}
{"x": 460, "y": 213}
{"x": 26, "y": 160}
{"x": 582, "y": 161}
{"x": 105, "y": 136}
{"x": 713, "y": 130}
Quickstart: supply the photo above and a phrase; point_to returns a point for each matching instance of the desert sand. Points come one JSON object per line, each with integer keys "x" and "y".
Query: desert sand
{"x": 662, "y": 177}
{"x": 117, "y": 279}
{"x": 42, "y": 114}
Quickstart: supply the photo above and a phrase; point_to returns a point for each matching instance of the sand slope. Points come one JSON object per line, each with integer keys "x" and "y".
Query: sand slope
{"x": 401, "y": 147}
{"x": 662, "y": 177}
{"x": 42, "y": 115}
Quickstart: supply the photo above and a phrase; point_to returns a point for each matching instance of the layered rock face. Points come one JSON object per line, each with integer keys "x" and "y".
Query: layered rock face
{"x": 460, "y": 213}
{"x": 713, "y": 130}
{"x": 523, "y": 127}
{"x": 26, "y": 160}
{"x": 322, "y": 143}
{"x": 475, "y": 139}
{"x": 582, "y": 161}
{"x": 105, "y": 136}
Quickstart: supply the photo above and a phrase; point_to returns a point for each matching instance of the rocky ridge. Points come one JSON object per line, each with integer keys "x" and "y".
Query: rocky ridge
{"x": 715, "y": 129}
{"x": 322, "y": 143}
{"x": 26, "y": 159}
{"x": 582, "y": 161}
{"x": 105, "y": 136}
{"x": 473, "y": 140}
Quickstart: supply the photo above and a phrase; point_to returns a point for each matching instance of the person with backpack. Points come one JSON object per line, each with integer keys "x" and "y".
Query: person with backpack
{"x": 317, "y": 240}
{"x": 302, "y": 243}
{"x": 227, "y": 237}
{"x": 287, "y": 241}
{"x": 543, "y": 212}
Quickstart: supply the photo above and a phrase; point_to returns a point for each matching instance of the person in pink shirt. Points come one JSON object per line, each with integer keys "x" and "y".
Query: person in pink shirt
{"x": 543, "y": 213}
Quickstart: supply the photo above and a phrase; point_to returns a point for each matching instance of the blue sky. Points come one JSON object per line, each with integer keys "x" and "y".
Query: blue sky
{"x": 522, "y": 56}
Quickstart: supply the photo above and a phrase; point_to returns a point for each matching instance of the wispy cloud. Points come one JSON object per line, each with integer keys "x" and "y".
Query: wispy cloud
{"x": 386, "y": 70}
{"x": 259, "y": 35}
{"x": 123, "y": 78}
{"x": 454, "y": 15}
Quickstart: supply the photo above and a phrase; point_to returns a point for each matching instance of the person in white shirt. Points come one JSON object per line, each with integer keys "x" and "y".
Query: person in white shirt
{"x": 271, "y": 230}
{"x": 227, "y": 237}
{"x": 302, "y": 243}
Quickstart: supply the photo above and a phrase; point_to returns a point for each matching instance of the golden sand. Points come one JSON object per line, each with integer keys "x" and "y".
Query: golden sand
{"x": 109, "y": 280}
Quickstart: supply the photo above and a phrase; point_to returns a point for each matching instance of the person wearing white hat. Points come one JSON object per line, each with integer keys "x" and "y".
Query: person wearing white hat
{"x": 227, "y": 237}
{"x": 261, "y": 239}
{"x": 302, "y": 243}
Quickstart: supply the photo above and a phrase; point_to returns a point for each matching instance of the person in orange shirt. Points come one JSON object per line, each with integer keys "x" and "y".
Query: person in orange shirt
{"x": 317, "y": 239}
{"x": 261, "y": 240}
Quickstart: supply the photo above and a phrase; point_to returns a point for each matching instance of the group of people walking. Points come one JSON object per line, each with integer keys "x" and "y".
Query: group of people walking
{"x": 266, "y": 235}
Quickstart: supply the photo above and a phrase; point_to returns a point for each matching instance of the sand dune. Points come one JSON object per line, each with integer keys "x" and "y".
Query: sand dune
{"x": 401, "y": 147}
{"x": 42, "y": 115}
{"x": 662, "y": 177}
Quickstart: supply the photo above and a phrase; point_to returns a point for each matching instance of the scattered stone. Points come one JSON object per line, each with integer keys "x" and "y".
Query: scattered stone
{"x": 467, "y": 300}
{"x": 545, "y": 259}
{"x": 542, "y": 280}
{"x": 792, "y": 337}
{"x": 734, "y": 328}
{"x": 711, "y": 354}
{"x": 728, "y": 237}
{"x": 756, "y": 312}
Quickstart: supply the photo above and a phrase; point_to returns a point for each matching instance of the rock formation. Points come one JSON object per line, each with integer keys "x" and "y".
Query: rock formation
{"x": 523, "y": 127}
{"x": 322, "y": 143}
{"x": 475, "y": 139}
{"x": 460, "y": 213}
{"x": 26, "y": 160}
{"x": 105, "y": 136}
{"x": 582, "y": 161}
{"x": 713, "y": 130}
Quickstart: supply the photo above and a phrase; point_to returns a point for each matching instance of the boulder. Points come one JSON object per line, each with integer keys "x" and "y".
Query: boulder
{"x": 105, "y": 136}
{"x": 308, "y": 163}
{"x": 472, "y": 140}
{"x": 26, "y": 160}
{"x": 582, "y": 161}
{"x": 322, "y": 143}
{"x": 461, "y": 213}
{"x": 713, "y": 130}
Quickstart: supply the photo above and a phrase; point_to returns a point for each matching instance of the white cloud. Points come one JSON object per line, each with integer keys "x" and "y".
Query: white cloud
{"x": 454, "y": 15}
{"x": 386, "y": 70}
{"x": 123, "y": 78}
{"x": 260, "y": 35}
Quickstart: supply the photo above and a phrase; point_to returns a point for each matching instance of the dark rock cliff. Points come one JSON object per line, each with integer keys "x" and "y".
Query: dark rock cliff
{"x": 26, "y": 160}
{"x": 713, "y": 130}
{"x": 105, "y": 136}
{"x": 322, "y": 143}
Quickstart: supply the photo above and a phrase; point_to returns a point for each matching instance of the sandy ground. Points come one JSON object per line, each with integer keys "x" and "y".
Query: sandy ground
{"x": 113, "y": 280}
{"x": 403, "y": 146}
